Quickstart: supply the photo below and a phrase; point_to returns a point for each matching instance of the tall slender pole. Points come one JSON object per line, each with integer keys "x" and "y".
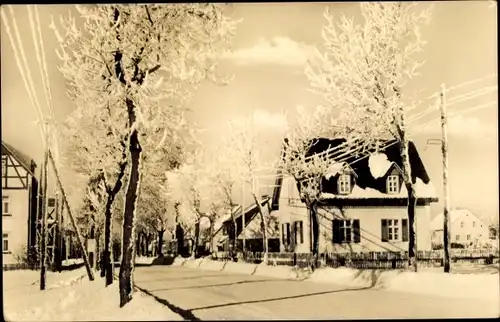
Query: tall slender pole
{"x": 43, "y": 237}
{"x": 73, "y": 221}
{"x": 446, "y": 188}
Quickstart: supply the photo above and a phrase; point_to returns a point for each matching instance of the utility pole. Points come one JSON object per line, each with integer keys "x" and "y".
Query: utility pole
{"x": 71, "y": 217}
{"x": 446, "y": 189}
{"x": 43, "y": 237}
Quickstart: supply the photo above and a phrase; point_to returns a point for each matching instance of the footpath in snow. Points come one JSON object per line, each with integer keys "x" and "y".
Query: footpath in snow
{"x": 70, "y": 296}
{"x": 427, "y": 281}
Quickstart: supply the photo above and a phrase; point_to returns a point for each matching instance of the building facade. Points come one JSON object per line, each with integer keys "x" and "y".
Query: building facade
{"x": 19, "y": 203}
{"x": 362, "y": 206}
{"x": 466, "y": 229}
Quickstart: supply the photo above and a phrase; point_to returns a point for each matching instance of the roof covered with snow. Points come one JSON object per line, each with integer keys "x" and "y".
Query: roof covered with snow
{"x": 455, "y": 214}
{"x": 371, "y": 171}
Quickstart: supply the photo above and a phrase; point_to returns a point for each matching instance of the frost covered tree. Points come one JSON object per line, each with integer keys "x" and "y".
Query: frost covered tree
{"x": 306, "y": 168}
{"x": 141, "y": 60}
{"x": 94, "y": 146}
{"x": 244, "y": 142}
{"x": 362, "y": 75}
{"x": 193, "y": 184}
{"x": 224, "y": 177}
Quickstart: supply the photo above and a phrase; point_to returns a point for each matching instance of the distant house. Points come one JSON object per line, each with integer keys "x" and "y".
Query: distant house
{"x": 252, "y": 232}
{"x": 19, "y": 202}
{"x": 466, "y": 228}
{"x": 363, "y": 204}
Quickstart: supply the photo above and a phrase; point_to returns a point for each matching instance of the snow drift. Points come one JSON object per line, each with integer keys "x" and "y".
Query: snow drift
{"x": 70, "y": 296}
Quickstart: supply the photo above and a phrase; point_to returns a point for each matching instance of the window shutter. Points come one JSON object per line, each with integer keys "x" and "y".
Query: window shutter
{"x": 301, "y": 232}
{"x": 288, "y": 233}
{"x": 356, "y": 232}
{"x": 337, "y": 238}
{"x": 295, "y": 227}
{"x": 405, "y": 229}
{"x": 283, "y": 240}
{"x": 385, "y": 231}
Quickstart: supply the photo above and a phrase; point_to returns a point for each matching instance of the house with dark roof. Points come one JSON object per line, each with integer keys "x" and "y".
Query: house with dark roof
{"x": 362, "y": 203}
{"x": 19, "y": 202}
{"x": 248, "y": 227}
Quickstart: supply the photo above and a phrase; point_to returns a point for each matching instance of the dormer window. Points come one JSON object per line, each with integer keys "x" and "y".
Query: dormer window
{"x": 392, "y": 184}
{"x": 344, "y": 184}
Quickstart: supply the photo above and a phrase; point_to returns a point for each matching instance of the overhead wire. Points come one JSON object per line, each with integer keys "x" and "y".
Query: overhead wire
{"x": 26, "y": 76}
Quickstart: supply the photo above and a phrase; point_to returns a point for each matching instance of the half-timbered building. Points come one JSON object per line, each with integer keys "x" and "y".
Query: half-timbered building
{"x": 19, "y": 203}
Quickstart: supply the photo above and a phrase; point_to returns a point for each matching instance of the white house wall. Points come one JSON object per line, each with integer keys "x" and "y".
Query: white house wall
{"x": 291, "y": 209}
{"x": 16, "y": 225}
{"x": 479, "y": 233}
{"x": 370, "y": 228}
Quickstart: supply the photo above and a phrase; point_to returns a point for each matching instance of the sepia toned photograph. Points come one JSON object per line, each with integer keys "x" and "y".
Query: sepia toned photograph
{"x": 250, "y": 161}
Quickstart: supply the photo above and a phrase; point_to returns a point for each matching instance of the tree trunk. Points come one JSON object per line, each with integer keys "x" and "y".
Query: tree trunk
{"x": 408, "y": 180}
{"x": 263, "y": 228}
{"x": 211, "y": 246}
{"x": 128, "y": 249}
{"x": 148, "y": 241}
{"x": 144, "y": 245}
{"x": 412, "y": 231}
{"x": 196, "y": 238}
{"x": 107, "y": 265}
{"x": 235, "y": 233}
{"x": 97, "y": 251}
{"x": 315, "y": 232}
{"x": 159, "y": 250}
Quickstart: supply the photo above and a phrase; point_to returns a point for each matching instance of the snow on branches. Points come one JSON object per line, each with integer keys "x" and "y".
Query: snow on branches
{"x": 154, "y": 55}
{"x": 296, "y": 161}
{"x": 364, "y": 68}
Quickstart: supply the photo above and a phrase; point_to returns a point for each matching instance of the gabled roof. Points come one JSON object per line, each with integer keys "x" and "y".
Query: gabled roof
{"x": 336, "y": 167}
{"x": 27, "y": 162}
{"x": 454, "y": 214}
{"x": 368, "y": 183}
{"x": 250, "y": 213}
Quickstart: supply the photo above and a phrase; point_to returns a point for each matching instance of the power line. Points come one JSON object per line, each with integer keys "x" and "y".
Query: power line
{"x": 474, "y": 108}
{"x": 31, "y": 95}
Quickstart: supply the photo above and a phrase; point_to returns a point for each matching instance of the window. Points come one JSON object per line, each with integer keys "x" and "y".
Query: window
{"x": 344, "y": 184}
{"x": 462, "y": 224}
{"x": 457, "y": 237}
{"x": 393, "y": 184}
{"x": 285, "y": 233}
{"x": 473, "y": 224}
{"x": 4, "y": 164}
{"x": 5, "y": 206}
{"x": 298, "y": 232}
{"x": 5, "y": 242}
{"x": 394, "y": 230}
{"x": 52, "y": 202}
{"x": 468, "y": 237}
{"x": 346, "y": 231}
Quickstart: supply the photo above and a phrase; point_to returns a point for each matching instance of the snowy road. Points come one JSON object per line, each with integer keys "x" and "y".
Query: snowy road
{"x": 201, "y": 294}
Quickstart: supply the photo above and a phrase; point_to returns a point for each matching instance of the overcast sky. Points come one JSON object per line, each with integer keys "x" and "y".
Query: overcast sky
{"x": 271, "y": 46}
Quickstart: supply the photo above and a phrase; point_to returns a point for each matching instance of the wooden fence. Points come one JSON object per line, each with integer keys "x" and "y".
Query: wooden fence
{"x": 366, "y": 260}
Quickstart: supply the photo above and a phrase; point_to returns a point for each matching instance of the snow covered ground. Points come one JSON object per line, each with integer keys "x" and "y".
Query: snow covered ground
{"x": 70, "y": 296}
{"x": 426, "y": 281}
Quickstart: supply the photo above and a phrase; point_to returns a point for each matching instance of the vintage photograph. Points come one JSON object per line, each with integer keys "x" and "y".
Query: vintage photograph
{"x": 250, "y": 161}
